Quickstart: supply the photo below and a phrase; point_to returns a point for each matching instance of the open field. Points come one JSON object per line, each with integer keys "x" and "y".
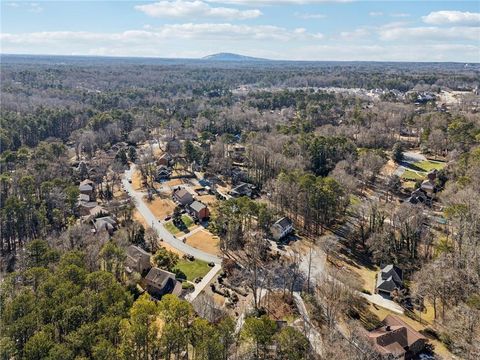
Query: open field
{"x": 205, "y": 241}
{"x": 137, "y": 180}
{"x": 193, "y": 269}
{"x": 161, "y": 207}
{"x": 412, "y": 175}
{"x": 174, "y": 182}
{"x": 429, "y": 165}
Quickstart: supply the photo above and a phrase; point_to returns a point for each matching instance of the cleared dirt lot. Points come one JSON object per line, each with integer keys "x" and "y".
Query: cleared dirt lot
{"x": 205, "y": 241}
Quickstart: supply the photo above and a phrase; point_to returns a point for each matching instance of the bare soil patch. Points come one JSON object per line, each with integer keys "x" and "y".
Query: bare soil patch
{"x": 161, "y": 207}
{"x": 205, "y": 241}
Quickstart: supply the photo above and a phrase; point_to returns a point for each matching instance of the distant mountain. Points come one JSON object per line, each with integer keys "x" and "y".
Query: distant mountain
{"x": 231, "y": 57}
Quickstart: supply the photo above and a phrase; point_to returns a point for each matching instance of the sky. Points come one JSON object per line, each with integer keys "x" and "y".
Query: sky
{"x": 346, "y": 30}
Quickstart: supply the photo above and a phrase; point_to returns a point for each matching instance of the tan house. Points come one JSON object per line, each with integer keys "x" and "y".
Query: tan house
{"x": 160, "y": 282}
{"x": 87, "y": 188}
{"x": 138, "y": 260}
{"x": 397, "y": 339}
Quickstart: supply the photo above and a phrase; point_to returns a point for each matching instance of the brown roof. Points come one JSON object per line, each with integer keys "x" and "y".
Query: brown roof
{"x": 395, "y": 336}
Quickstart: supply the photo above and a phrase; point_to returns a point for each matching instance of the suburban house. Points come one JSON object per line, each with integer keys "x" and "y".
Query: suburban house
{"x": 163, "y": 172}
{"x": 160, "y": 282}
{"x": 84, "y": 208}
{"x": 397, "y": 339}
{"x": 281, "y": 228}
{"x": 183, "y": 197}
{"x": 428, "y": 185}
{"x": 165, "y": 160}
{"x": 138, "y": 260}
{"x": 243, "y": 189}
{"x": 106, "y": 223}
{"x": 87, "y": 187}
{"x": 389, "y": 278}
{"x": 199, "y": 210}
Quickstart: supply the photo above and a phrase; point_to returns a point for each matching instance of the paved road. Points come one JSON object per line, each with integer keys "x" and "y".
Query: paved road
{"x": 158, "y": 227}
{"x": 202, "y": 284}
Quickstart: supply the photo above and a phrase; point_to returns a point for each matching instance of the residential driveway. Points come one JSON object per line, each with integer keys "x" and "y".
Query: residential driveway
{"x": 313, "y": 336}
{"x": 202, "y": 284}
{"x": 385, "y": 303}
{"x": 158, "y": 227}
{"x": 409, "y": 157}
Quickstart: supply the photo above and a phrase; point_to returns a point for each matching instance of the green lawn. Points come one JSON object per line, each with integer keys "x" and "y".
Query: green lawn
{"x": 412, "y": 175}
{"x": 193, "y": 269}
{"x": 171, "y": 228}
{"x": 187, "y": 220}
{"x": 428, "y": 165}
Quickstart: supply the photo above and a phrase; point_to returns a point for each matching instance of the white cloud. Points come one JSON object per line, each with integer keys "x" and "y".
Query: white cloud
{"x": 355, "y": 34}
{"x": 181, "y": 8}
{"x": 452, "y": 18}
{"x": 309, "y": 16}
{"x": 30, "y": 7}
{"x": 278, "y": 2}
{"x": 188, "y": 31}
{"x": 429, "y": 33}
{"x": 400, "y": 15}
{"x": 375, "y": 13}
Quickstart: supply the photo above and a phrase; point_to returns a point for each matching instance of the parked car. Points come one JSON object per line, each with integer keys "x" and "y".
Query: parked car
{"x": 189, "y": 257}
{"x": 211, "y": 264}
{"x": 197, "y": 280}
{"x": 167, "y": 218}
{"x": 130, "y": 181}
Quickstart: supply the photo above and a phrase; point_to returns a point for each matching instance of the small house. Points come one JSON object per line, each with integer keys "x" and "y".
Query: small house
{"x": 396, "y": 339}
{"x": 199, "y": 210}
{"x": 106, "y": 223}
{"x": 281, "y": 228}
{"x": 138, "y": 260}
{"x": 243, "y": 189}
{"x": 163, "y": 172}
{"x": 183, "y": 197}
{"x": 389, "y": 278}
{"x": 166, "y": 160}
{"x": 160, "y": 282}
{"x": 84, "y": 208}
{"x": 87, "y": 187}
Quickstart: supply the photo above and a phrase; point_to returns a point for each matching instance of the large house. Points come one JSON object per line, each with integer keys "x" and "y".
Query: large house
{"x": 138, "y": 260}
{"x": 183, "y": 197}
{"x": 160, "y": 282}
{"x": 389, "y": 278}
{"x": 199, "y": 210}
{"x": 281, "y": 228}
{"x": 396, "y": 339}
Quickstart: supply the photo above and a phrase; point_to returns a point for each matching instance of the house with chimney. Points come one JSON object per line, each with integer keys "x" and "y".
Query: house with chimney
{"x": 138, "y": 260}
{"x": 182, "y": 196}
{"x": 281, "y": 228}
{"x": 160, "y": 282}
{"x": 396, "y": 339}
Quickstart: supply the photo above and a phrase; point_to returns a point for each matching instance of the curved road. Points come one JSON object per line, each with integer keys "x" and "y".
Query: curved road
{"x": 158, "y": 227}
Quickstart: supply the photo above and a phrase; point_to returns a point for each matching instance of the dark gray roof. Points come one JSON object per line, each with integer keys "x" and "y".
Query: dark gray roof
{"x": 284, "y": 222}
{"x": 136, "y": 252}
{"x": 159, "y": 277}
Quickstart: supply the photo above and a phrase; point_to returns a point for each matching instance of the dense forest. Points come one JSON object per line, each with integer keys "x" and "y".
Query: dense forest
{"x": 327, "y": 159}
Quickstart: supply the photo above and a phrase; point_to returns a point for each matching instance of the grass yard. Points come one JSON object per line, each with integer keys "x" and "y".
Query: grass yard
{"x": 205, "y": 241}
{"x": 429, "y": 165}
{"x": 161, "y": 207}
{"x": 193, "y": 269}
{"x": 412, "y": 175}
{"x": 409, "y": 185}
{"x": 187, "y": 220}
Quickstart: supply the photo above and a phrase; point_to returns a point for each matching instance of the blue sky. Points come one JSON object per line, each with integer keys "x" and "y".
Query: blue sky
{"x": 283, "y": 29}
